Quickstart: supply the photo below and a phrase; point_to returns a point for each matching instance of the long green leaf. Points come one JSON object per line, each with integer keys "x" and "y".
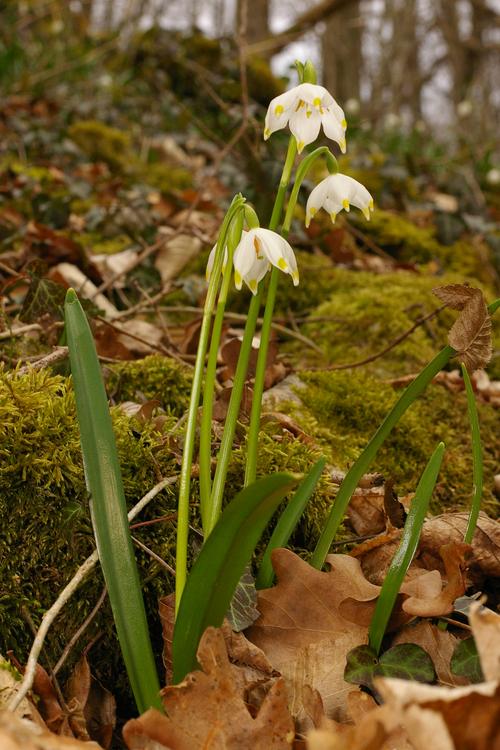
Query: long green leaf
{"x": 220, "y": 564}
{"x": 404, "y": 553}
{"x": 287, "y": 523}
{"x": 477, "y": 458}
{"x": 108, "y": 509}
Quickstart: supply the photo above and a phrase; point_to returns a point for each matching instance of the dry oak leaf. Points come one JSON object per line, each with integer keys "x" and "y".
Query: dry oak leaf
{"x": 470, "y": 334}
{"x": 21, "y": 734}
{"x": 444, "y": 718}
{"x": 485, "y": 626}
{"x": 92, "y": 707}
{"x": 453, "y": 556}
{"x": 207, "y": 712}
{"x": 302, "y": 632}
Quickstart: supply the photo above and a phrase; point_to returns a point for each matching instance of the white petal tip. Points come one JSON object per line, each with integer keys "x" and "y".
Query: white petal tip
{"x": 343, "y": 146}
{"x": 300, "y": 146}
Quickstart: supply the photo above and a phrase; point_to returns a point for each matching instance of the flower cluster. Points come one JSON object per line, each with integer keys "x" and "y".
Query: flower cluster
{"x": 306, "y": 109}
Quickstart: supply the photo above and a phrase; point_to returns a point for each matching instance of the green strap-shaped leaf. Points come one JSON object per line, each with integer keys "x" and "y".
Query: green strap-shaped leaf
{"x": 108, "y": 509}
{"x": 407, "y": 547}
{"x": 220, "y": 565}
{"x": 287, "y": 523}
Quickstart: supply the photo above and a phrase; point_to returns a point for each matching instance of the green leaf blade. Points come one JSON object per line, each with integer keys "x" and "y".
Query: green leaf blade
{"x": 220, "y": 565}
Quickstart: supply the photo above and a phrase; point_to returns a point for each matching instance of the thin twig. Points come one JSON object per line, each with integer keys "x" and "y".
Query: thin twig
{"x": 394, "y": 343}
{"x": 20, "y": 331}
{"x": 83, "y": 627}
{"x": 59, "y": 353}
{"x": 152, "y": 554}
{"x": 66, "y": 594}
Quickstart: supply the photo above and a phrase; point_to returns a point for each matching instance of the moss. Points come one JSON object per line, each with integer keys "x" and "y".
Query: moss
{"x": 262, "y": 84}
{"x": 413, "y": 243}
{"x": 343, "y": 409}
{"x": 96, "y": 244}
{"x": 154, "y": 377}
{"x": 101, "y": 142}
{"x": 163, "y": 177}
{"x": 46, "y": 531}
{"x": 365, "y": 312}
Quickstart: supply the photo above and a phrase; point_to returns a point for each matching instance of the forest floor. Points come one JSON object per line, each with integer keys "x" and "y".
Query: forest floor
{"x": 117, "y": 186}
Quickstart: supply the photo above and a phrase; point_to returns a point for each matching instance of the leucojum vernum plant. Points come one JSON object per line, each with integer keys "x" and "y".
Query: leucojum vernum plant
{"x": 259, "y": 257}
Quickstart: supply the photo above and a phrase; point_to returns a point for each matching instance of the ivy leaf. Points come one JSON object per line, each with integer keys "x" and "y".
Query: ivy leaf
{"x": 243, "y": 610}
{"x": 360, "y": 666}
{"x": 465, "y": 661}
{"x": 406, "y": 661}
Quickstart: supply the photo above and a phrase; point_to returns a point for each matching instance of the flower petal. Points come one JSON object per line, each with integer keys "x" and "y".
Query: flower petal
{"x": 316, "y": 200}
{"x": 333, "y": 129}
{"x": 279, "y": 111}
{"x": 305, "y": 124}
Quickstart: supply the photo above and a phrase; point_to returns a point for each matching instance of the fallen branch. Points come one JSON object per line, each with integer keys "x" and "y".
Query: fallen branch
{"x": 66, "y": 594}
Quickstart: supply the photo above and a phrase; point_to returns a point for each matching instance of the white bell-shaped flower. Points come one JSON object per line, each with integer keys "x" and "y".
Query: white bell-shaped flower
{"x": 306, "y": 108}
{"x": 337, "y": 192}
{"x": 211, "y": 261}
{"x": 257, "y": 251}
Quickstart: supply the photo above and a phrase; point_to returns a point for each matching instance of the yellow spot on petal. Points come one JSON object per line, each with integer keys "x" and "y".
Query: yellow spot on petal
{"x": 342, "y": 145}
{"x": 283, "y": 264}
{"x": 267, "y": 133}
{"x": 295, "y": 278}
{"x": 237, "y": 280}
{"x": 333, "y": 217}
{"x": 300, "y": 146}
{"x": 370, "y": 205}
{"x": 278, "y": 110}
{"x": 309, "y": 113}
{"x": 345, "y": 204}
{"x": 317, "y": 102}
{"x": 366, "y": 213}
{"x": 344, "y": 123}
{"x": 253, "y": 285}
{"x": 313, "y": 211}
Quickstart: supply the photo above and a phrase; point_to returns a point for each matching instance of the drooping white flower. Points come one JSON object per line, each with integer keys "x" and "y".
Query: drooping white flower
{"x": 306, "y": 108}
{"x": 257, "y": 251}
{"x": 337, "y": 192}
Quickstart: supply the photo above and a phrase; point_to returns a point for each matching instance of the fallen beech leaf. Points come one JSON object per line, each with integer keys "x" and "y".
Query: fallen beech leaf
{"x": 455, "y": 296}
{"x": 471, "y": 333}
{"x": 395, "y": 510}
{"x": 485, "y": 625}
{"x": 20, "y": 734}
{"x": 439, "y": 644}
{"x": 207, "y": 710}
{"x": 366, "y": 511}
{"x": 453, "y": 556}
{"x": 301, "y": 630}
{"x": 442, "y": 718}
{"x": 175, "y": 253}
{"x": 139, "y": 336}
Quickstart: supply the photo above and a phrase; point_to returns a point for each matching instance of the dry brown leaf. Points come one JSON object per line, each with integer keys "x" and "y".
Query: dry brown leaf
{"x": 471, "y": 333}
{"x": 450, "y": 527}
{"x": 93, "y": 708}
{"x": 453, "y": 555}
{"x": 302, "y": 631}
{"x": 438, "y": 643}
{"x": 455, "y": 296}
{"x": 485, "y": 626}
{"x": 174, "y": 254}
{"x": 21, "y": 734}
{"x": 208, "y": 710}
{"x": 443, "y": 718}
{"x": 366, "y": 511}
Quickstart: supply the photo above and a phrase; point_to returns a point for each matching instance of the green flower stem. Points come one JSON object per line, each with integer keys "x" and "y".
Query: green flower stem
{"x": 405, "y": 551}
{"x": 477, "y": 458}
{"x": 108, "y": 508}
{"x": 362, "y": 463}
{"x": 226, "y": 446}
{"x": 260, "y": 370}
{"x": 205, "y": 459}
{"x": 187, "y": 455}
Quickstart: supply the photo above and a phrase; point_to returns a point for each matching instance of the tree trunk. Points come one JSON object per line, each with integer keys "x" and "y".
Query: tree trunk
{"x": 341, "y": 53}
{"x": 256, "y": 22}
